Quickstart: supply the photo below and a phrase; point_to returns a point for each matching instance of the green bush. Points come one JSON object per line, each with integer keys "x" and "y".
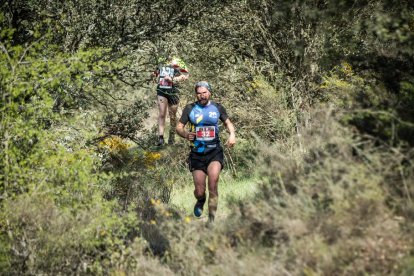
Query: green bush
{"x": 327, "y": 208}
{"x": 44, "y": 238}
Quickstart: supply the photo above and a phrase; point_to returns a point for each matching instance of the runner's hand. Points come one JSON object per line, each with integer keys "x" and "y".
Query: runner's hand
{"x": 191, "y": 136}
{"x": 231, "y": 141}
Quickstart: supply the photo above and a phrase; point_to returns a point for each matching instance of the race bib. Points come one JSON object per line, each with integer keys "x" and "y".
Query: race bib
{"x": 166, "y": 71}
{"x": 205, "y": 133}
{"x": 165, "y": 84}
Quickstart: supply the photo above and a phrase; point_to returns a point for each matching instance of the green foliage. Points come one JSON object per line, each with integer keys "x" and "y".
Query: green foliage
{"x": 370, "y": 105}
{"x": 43, "y": 237}
{"x": 127, "y": 122}
{"x": 320, "y": 206}
{"x": 335, "y": 194}
{"x": 53, "y": 216}
{"x": 29, "y": 79}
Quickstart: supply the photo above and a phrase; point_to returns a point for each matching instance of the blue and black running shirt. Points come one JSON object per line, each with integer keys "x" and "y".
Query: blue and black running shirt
{"x": 203, "y": 120}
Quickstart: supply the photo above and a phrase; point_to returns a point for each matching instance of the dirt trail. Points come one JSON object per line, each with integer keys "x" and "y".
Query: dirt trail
{"x": 152, "y": 119}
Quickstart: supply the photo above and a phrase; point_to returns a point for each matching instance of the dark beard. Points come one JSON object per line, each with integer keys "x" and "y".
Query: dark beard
{"x": 203, "y": 104}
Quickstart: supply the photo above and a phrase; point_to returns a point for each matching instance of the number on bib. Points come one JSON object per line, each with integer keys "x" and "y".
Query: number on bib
{"x": 205, "y": 133}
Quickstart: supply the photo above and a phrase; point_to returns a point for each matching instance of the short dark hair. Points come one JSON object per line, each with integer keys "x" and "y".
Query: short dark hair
{"x": 202, "y": 84}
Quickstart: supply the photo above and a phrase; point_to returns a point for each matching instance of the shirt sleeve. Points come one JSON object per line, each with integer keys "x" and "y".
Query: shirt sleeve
{"x": 185, "y": 116}
{"x": 223, "y": 112}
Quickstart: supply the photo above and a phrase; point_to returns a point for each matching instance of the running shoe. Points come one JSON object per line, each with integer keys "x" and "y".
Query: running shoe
{"x": 160, "y": 142}
{"x": 171, "y": 140}
{"x": 211, "y": 218}
{"x": 198, "y": 207}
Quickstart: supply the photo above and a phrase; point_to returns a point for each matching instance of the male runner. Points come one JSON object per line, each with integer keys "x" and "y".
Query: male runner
{"x": 206, "y": 156}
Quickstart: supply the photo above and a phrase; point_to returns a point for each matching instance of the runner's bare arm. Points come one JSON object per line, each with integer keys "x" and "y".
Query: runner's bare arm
{"x": 230, "y": 128}
{"x": 180, "y": 129}
{"x": 181, "y": 77}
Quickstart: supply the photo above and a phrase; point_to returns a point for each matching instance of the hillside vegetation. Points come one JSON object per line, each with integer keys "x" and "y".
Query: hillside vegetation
{"x": 322, "y": 97}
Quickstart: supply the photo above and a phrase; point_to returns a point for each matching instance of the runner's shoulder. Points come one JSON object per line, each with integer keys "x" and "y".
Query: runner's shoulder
{"x": 217, "y": 104}
{"x": 189, "y": 107}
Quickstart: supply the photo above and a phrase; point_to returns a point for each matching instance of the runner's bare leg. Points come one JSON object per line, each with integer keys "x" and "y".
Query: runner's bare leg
{"x": 172, "y": 111}
{"x": 213, "y": 172}
{"x": 162, "y": 113}
{"x": 199, "y": 178}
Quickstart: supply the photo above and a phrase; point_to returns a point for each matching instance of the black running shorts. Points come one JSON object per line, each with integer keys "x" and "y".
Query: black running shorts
{"x": 198, "y": 161}
{"x": 171, "y": 97}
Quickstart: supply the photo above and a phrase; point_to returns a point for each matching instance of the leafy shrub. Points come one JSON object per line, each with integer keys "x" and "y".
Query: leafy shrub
{"x": 372, "y": 108}
{"x": 325, "y": 204}
{"x": 44, "y": 238}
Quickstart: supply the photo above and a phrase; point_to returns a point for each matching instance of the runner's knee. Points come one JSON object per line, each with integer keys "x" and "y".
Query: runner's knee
{"x": 199, "y": 193}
